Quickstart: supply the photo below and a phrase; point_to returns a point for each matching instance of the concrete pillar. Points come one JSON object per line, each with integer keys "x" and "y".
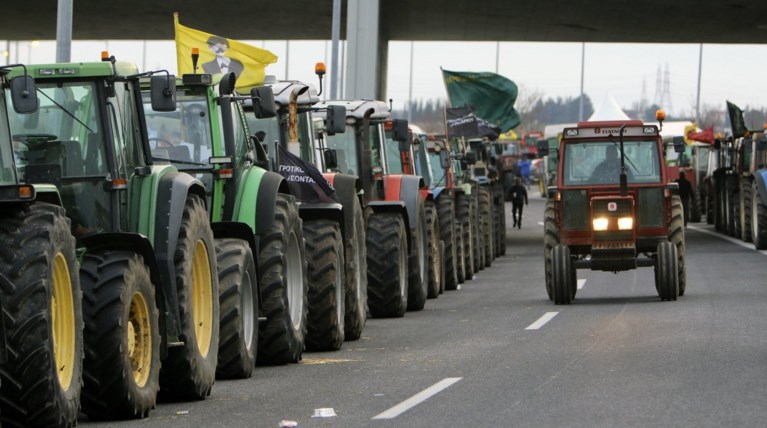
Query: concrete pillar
{"x": 367, "y": 51}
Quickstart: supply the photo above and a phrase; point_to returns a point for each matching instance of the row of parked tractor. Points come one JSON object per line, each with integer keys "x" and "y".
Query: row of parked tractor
{"x": 161, "y": 232}
{"x": 729, "y": 184}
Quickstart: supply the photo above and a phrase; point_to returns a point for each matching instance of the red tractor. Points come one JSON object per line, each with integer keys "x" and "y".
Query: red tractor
{"x": 613, "y": 208}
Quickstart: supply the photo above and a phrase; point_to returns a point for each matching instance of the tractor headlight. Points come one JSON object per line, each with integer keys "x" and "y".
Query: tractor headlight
{"x": 625, "y": 223}
{"x": 600, "y": 223}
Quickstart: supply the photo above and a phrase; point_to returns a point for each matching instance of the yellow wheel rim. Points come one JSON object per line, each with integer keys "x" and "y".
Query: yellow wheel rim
{"x": 202, "y": 298}
{"x": 139, "y": 339}
{"x": 63, "y": 322}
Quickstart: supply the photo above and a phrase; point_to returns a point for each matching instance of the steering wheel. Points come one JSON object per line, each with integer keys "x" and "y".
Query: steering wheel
{"x": 25, "y": 138}
{"x": 158, "y": 140}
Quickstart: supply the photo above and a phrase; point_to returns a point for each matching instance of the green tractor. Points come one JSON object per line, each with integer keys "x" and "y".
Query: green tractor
{"x": 251, "y": 209}
{"x": 41, "y": 321}
{"x": 146, "y": 248}
{"x": 333, "y": 223}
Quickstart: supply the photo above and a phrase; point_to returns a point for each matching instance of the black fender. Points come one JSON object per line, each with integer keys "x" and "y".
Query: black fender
{"x": 325, "y": 211}
{"x": 172, "y": 191}
{"x": 397, "y": 207}
{"x": 266, "y": 201}
{"x": 138, "y": 244}
{"x": 347, "y": 187}
{"x": 410, "y": 193}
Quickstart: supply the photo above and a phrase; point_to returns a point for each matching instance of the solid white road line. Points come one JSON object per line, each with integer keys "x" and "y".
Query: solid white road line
{"x": 540, "y": 223}
{"x": 581, "y": 283}
{"x": 748, "y": 245}
{"x": 542, "y": 321}
{"x": 417, "y": 399}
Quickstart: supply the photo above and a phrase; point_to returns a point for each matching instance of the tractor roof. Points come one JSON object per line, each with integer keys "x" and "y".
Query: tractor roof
{"x": 356, "y": 109}
{"x": 75, "y": 70}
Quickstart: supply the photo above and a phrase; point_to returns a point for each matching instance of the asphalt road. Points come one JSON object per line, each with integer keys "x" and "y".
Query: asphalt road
{"x": 498, "y": 353}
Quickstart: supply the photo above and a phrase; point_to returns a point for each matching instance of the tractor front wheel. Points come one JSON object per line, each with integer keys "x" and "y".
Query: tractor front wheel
{"x": 387, "y": 265}
{"x": 666, "y": 271}
{"x": 562, "y": 275}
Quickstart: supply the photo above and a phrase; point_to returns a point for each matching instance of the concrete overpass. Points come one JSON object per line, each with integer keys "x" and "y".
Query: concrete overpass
{"x": 370, "y": 24}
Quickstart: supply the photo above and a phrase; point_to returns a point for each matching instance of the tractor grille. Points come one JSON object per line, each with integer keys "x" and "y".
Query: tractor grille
{"x": 623, "y": 208}
{"x": 576, "y": 210}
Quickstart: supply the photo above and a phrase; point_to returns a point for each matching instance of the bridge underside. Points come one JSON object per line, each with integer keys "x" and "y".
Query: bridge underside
{"x": 678, "y": 21}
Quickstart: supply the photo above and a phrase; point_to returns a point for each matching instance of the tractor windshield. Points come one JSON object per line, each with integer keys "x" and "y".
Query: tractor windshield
{"x": 439, "y": 177}
{"x": 182, "y": 137}
{"x": 394, "y": 158}
{"x": 597, "y": 163}
{"x": 345, "y": 145}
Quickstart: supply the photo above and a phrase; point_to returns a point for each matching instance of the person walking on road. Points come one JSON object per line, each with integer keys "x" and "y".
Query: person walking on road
{"x": 518, "y": 196}
{"x": 685, "y": 194}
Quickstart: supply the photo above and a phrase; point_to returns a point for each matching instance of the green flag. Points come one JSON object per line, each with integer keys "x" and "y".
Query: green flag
{"x": 492, "y": 96}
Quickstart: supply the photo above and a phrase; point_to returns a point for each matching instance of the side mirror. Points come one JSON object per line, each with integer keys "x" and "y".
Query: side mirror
{"x": 24, "y": 95}
{"x": 470, "y": 158}
{"x": 263, "y": 102}
{"x": 444, "y": 159}
{"x": 336, "y": 120}
{"x": 163, "y": 92}
{"x": 543, "y": 148}
{"x": 331, "y": 158}
{"x": 399, "y": 130}
{"x": 678, "y": 144}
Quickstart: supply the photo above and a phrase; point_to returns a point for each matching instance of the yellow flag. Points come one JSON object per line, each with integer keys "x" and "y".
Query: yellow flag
{"x": 687, "y": 130}
{"x": 220, "y": 55}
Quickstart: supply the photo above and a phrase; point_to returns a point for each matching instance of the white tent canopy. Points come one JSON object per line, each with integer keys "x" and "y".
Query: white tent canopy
{"x": 608, "y": 110}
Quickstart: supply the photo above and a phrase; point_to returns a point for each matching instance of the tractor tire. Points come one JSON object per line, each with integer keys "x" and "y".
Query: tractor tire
{"x": 478, "y": 244}
{"x": 122, "y": 336}
{"x": 737, "y": 215}
{"x": 745, "y": 209}
{"x": 676, "y": 237}
{"x": 732, "y": 206}
{"x": 464, "y": 217}
{"x": 666, "y": 271}
{"x": 486, "y": 223}
{"x": 387, "y": 261}
{"x": 326, "y": 298}
{"x": 356, "y": 282}
{"x": 758, "y": 219}
{"x": 284, "y": 290}
{"x": 562, "y": 275}
{"x": 550, "y": 240}
{"x": 238, "y": 307}
{"x": 41, "y": 309}
{"x": 418, "y": 271}
{"x": 695, "y": 207}
{"x": 189, "y": 371}
{"x": 460, "y": 259}
{"x": 446, "y": 219}
{"x": 433, "y": 252}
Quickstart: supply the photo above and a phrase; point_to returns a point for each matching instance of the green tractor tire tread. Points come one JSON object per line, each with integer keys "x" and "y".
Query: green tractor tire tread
{"x": 280, "y": 341}
{"x": 236, "y": 265}
{"x": 186, "y": 374}
{"x": 355, "y": 272}
{"x": 109, "y": 280}
{"x": 446, "y": 220}
{"x": 325, "y": 256}
{"x": 30, "y": 393}
{"x": 676, "y": 236}
{"x": 433, "y": 254}
{"x": 386, "y": 249}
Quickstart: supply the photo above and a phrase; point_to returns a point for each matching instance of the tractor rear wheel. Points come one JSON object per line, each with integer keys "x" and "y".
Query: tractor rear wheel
{"x": 238, "y": 305}
{"x": 446, "y": 219}
{"x": 695, "y": 207}
{"x": 562, "y": 275}
{"x": 745, "y": 209}
{"x": 460, "y": 259}
{"x": 42, "y": 310}
{"x": 486, "y": 223}
{"x": 758, "y": 219}
{"x": 464, "y": 217}
{"x": 189, "y": 371}
{"x": 325, "y": 272}
{"x": 356, "y": 283}
{"x": 387, "y": 265}
{"x": 550, "y": 240}
{"x": 418, "y": 273}
{"x": 666, "y": 271}
{"x": 122, "y": 338}
{"x": 433, "y": 252}
{"x": 676, "y": 237}
{"x": 283, "y": 283}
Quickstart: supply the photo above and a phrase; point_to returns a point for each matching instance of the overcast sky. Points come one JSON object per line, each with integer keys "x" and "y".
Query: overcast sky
{"x": 729, "y": 72}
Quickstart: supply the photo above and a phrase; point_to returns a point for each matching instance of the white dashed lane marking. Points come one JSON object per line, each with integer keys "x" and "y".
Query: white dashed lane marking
{"x": 542, "y": 321}
{"x": 581, "y": 283}
{"x": 417, "y": 399}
